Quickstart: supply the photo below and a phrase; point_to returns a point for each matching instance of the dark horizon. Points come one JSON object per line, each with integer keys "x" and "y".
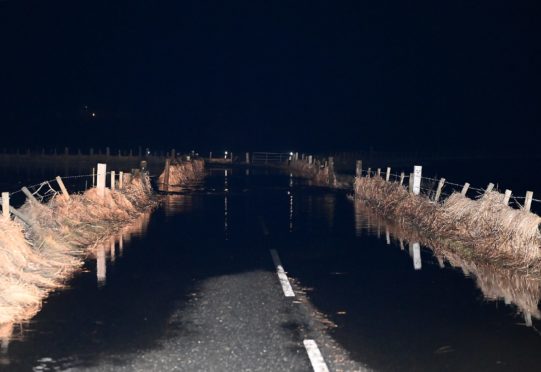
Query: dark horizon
{"x": 304, "y": 76}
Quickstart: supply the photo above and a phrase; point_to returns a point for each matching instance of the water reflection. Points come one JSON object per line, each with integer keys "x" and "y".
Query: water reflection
{"x": 6, "y": 333}
{"x": 177, "y": 204}
{"x": 496, "y": 284}
{"x": 290, "y": 193}
{"x": 136, "y": 228}
{"x": 226, "y": 216}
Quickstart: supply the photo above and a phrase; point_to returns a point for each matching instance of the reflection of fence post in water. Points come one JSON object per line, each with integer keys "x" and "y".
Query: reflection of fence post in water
{"x": 417, "y": 264}
{"x": 120, "y": 244}
{"x": 6, "y": 332}
{"x": 528, "y": 319}
{"x": 358, "y": 220}
{"x": 101, "y": 269}
{"x": 112, "y": 243}
{"x": 166, "y": 174}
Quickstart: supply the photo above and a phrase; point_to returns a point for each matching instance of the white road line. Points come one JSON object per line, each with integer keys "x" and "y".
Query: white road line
{"x": 318, "y": 363}
{"x": 284, "y": 281}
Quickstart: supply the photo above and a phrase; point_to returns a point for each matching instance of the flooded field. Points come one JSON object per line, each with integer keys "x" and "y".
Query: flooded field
{"x": 390, "y": 303}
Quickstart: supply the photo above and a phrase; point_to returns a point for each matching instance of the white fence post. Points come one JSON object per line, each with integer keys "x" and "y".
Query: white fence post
{"x": 102, "y": 175}
{"x": 506, "y": 197}
{"x": 465, "y": 189}
{"x": 120, "y": 180}
{"x": 113, "y": 183}
{"x": 417, "y": 174}
{"x": 528, "y": 201}
{"x": 5, "y": 205}
{"x": 63, "y": 187}
{"x": 359, "y": 168}
{"x": 438, "y": 191}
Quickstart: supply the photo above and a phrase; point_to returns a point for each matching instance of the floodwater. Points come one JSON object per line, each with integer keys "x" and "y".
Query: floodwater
{"x": 396, "y": 305}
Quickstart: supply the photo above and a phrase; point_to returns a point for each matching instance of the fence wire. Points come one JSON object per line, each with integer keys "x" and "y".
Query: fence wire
{"x": 429, "y": 186}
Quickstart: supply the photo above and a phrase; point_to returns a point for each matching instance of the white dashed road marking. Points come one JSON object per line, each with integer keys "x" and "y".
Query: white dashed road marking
{"x": 284, "y": 281}
{"x": 318, "y": 363}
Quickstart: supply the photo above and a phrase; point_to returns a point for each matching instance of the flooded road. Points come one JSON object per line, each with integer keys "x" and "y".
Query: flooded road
{"x": 193, "y": 286}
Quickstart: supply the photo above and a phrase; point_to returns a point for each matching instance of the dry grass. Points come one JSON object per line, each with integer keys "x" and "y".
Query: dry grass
{"x": 484, "y": 228}
{"x": 36, "y": 260}
{"x": 523, "y": 289}
{"x": 182, "y": 172}
{"x": 315, "y": 172}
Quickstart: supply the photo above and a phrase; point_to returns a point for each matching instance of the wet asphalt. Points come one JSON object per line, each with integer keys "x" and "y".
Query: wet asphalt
{"x": 197, "y": 291}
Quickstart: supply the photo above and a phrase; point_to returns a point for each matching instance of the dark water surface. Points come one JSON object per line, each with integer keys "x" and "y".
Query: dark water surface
{"x": 395, "y": 305}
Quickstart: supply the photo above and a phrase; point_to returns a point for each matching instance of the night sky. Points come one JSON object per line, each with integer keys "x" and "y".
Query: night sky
{"x": 270, "y": 75}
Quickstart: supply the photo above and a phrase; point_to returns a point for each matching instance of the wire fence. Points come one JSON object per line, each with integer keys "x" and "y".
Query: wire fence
{"x": 45, "y": 190}
{"x": 429, "y": 187}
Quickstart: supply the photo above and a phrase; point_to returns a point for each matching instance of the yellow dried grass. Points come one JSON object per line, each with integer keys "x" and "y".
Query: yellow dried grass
{"x": 485, "y": 228}
{"x": 36, "y": 260}
{"x": 315, "y": 172}
{"x": 523, "y": 289}
{"x": 182, "y": 172}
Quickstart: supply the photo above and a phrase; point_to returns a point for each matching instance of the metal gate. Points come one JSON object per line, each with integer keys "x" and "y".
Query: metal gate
{"x": 270, "y": 157}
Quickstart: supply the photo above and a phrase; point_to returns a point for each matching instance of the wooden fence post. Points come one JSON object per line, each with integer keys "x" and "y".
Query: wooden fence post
{"x": 465, "y": 189}
{"x": 247, "y": 158}
{"x": 62, "y": 187}
{"x": 210, "y": 155}
{"x": 489, "y": 188}
{"x": 410, "y": 185}
{"x": 359, "y": 168}
{"x": 113, "y": 180}
{"x": 378, "y": 172}
{"x": 310, "y": 159}
{"x": 528, "y": 201}
{"x": 332, "y": 177}
{"x": 388, "y": 174}
{"x": 93, "y": 177}
{"x": 173, "y": 154}
{"x": 506, "y": 197}
{"x": 29, "y": 195}
{"x": 166, "y": 173}
{"x": 401, "y": 178}
{"x": 438, "y": 191}
{"x": 120, "y": 180}
{"x": 5, "y": 205}
{"x": 417, "y": 175}
{"x": 369, "y": 172}
{"x": 102, "y": 175}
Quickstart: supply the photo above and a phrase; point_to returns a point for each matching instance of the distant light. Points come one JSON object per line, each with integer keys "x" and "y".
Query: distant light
{"x": 93, "y": 114}
{"x": 226, "y": 152}
{"x": 290, "y": 154}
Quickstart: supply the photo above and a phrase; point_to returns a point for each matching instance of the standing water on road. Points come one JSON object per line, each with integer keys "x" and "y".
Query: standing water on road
{"x": 193, "y": 287}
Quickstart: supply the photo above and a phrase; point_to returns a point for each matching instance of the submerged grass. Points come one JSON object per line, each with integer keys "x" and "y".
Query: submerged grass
{"x": 37, "y": 259}
{"x": 315, "y": 172}
{"x": 181, "y": 172}
{"x": 523, "y": 289}
{"x": 483, "y": 228}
